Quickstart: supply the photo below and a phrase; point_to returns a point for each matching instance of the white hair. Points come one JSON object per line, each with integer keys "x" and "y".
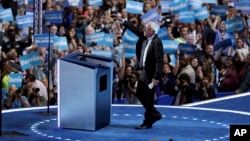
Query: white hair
{"x": 154, "y": 26}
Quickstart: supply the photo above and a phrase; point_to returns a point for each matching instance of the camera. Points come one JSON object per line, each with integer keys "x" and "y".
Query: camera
{"x": 36, "y": 90}
{"x": 18, "y": 91}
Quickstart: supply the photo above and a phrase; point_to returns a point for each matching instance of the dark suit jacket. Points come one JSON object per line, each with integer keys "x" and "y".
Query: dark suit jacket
{"x": 154, "y": 59}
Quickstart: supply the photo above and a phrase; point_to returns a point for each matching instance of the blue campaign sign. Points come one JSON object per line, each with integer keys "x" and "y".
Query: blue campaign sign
{"x": 42, "y": 40}
{"x": 173, "y": 59}
{"x": 186, "y": 16}
{"x": 134, "y": 7}
{"x": 20, "y": 3}
{"x": 105, "y": 53}
{"x": 219, "y": 10}
{"x": 223, "y": 44}
{"x": 33, "y": 59}
{"x": 77, "y": 3}
{"x": 53, "y": 17}
{"x": 29, "y": 12}
{"x": 16, "y": 79}
{"x": 6, "y": 15}
{"x": 244, "y": 6}
{"x": 235, "y": 24}
{"x": 209, "y": 1}
{"x": 95, "y": 3}
{"x": 201, "y": 13}
{"x": 170, "y": 46}
{"x": 108, "y": 40}
{"x": 30, "y": 2}
{"x": 25, "y": 21}
{"x": 165, "y": 6}
{"x": 194, "y": 4}
{"x": 61, "y": 43}
{"x": 151, "y": 15}
{"x": 129, "y": 35}
{"x": 178, "y": 6}
{"x": 162, "y": 33}
{"x": 97, "y": 37}
{"x": 186, "y": 48}
{"x": 129, "y": 48}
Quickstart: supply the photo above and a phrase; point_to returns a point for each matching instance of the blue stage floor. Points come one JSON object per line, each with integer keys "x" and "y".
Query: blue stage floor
{"x": 201, "y": 121}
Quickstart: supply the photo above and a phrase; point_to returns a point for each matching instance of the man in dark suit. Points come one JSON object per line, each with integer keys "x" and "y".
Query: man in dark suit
{"x": 149, "y": 52}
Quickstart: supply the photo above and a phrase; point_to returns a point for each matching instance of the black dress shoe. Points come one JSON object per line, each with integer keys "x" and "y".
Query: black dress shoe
{"x": 143, "y": 126}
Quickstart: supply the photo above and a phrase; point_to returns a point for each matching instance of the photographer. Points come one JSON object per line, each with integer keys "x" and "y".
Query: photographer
{"x": 184, "y": 91}
{"x": 205, "y": 91}
{"x": 132, "y": 86}
{"x": 15, "y": 99}
{"x": 33, "y": 96}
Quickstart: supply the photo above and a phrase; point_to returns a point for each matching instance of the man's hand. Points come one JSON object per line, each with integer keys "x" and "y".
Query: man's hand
{"x": 155, "y": 82}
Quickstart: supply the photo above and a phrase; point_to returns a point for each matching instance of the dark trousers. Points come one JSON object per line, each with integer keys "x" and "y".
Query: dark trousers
{"x": 146, "y": 97}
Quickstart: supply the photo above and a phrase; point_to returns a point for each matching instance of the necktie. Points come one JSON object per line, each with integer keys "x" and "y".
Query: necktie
{"x": 144, "y": 45}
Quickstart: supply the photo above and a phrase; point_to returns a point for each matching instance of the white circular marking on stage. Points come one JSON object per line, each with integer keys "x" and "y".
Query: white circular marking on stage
{"x": 35, "y": 127}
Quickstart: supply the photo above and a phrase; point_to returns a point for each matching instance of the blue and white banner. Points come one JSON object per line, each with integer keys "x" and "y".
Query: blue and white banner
{"x": 151, "y": 15}
{"x": 20, "y": 3}
{"x": 134, "y": 7}
{"x": 178, "y": 6}
{"x": 187, "y": 48}
{"x": 105, "y": 53}
{"x": 219, "y": 10}
{"x": 209, "y": 1}
{"x": 53, "y": 17}
{"x": 194, "y": 4}
{"x": 61, "y": 43}
{"x": 29, "y": 12}
{"x": 165, "y": 6}
{"x": 170, "y": 46}
{"x": 32, "y": 59}
{"x": 6, "y": 15}
{"x": 25, "y": 21}
{"x": 129, "y": 35}
{"x": 30, "y": 2}
{"x": 163, "y": 33}
{"x": 235, "y": 24}
{"x": 129, "y": 48}
{"x": 108, "y": 40}
{"x": 173, "y": 59}
{"x": 243, "y": 6}
{"x": 95, "y": 3}
{"x": 42, "y": 40}
{"x": 186, "y": 16}
{"x": 15, "y": 79}
{"x": 201, "y": 13}
{"x": 97, "y": 37}
{"x": 77, "y": 3}
{"x": 223, "y": 44}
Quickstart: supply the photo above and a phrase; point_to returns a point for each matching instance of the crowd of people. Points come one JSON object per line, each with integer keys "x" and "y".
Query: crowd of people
{"x": 198, "y": 76}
